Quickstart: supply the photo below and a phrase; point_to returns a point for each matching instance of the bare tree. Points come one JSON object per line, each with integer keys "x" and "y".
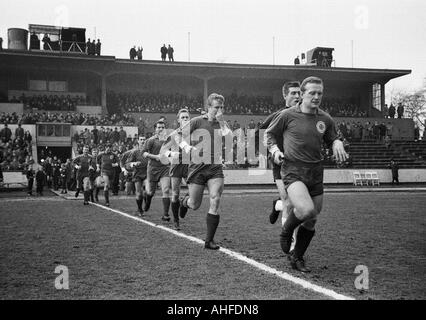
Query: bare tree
{"x": 414, "y": 104}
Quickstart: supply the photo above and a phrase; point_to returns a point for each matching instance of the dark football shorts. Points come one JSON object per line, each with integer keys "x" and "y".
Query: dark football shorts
{"x": 81, "y": 175}
{"x": 312, "y": 175}
{"x": 179, "y": 171}
{"x": 156, "y": 173}
{"x": 139, "y": 175}
{"x": 109, "y": 174}
{"x": 201, "y": 173}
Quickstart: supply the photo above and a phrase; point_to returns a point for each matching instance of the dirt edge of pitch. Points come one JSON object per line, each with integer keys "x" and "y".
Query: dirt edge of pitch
{"x": 238, "y": 256}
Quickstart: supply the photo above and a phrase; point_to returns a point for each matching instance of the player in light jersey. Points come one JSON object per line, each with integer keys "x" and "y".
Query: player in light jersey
{"x": 93, "y": 174}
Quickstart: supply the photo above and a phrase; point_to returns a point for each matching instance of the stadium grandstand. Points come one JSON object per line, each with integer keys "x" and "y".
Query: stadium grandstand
{"x": 59, "y": 96}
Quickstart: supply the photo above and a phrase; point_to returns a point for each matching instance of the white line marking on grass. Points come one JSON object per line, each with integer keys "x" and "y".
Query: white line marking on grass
{"x": 238, "y": 256}
{"x": 30, "y": 199}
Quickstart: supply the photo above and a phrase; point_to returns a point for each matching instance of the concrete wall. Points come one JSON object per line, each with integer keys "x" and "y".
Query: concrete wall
{"x": 257, "y": 176}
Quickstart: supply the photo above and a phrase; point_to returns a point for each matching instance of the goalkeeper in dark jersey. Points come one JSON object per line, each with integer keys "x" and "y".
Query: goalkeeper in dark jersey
{"x": 302, "y": 129}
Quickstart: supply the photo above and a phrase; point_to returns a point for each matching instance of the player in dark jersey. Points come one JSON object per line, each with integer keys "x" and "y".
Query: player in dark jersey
{"x": 303, "y": 128}
{"x": 106, "y": 162}
{"x": 157, "y": 170}
{"x": 291, "y": 94}
{"x": 83, "y": 164}
{"x": 208, "y": 169}
{"x": 178, "y": 170}
{"x": 134, "y": 161}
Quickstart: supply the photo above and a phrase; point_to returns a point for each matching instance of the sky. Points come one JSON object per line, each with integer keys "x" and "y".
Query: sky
{"x": 384, "y": 34}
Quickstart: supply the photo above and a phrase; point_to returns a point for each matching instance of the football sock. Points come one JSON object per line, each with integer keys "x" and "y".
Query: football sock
{"x": 175, "y": 210}
{"x": 185, "y": 200}
{"x": 91, "y": 196}
{"x": 86, "y": 196}
{"x": 303, "y": 239}
{"x": 212, "y": 223}
{"x": 166, "y": 206}
{"x": 279, "y": 205}
{"x": 139, "y": 203}
{"x": 290, "y": 224}
{"x": 148, "y": 199}
{"x": 106, "y": 195}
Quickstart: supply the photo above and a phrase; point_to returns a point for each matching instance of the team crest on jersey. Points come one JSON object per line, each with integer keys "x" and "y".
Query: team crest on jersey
{"x": 111, "y": 157}
{"x": 321, "y": 126}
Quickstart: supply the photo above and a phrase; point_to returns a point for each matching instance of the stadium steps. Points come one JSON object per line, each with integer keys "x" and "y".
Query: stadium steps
{"x": 372, "y": 154}
{"x": 415, "y": 148}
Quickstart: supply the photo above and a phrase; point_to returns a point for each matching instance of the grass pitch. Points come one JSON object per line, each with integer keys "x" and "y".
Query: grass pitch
{"x": 113, "y": 257}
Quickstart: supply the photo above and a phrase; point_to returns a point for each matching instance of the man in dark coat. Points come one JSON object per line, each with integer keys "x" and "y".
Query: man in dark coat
{"x": 391, "y": 111}
{"x": 394, "y": 166}
{"x": 400, "y": 111}
{"x": 163, "y": 51}
{"x": 5, "y": 133}
{"x": 98, "y": 48}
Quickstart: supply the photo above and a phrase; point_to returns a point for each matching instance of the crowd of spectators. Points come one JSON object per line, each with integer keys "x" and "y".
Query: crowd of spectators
{"x": 15, "y": 150}
{"x": 50, "y": 102}
{"x": 367, "y": 130}
{"x": 93, "y": 47}
{"x": 152, "y": 102}
{"x": 74, "y": 118}
{"x": 342, "y": 108}
{"x": 98, "y": 138}
{"x": 235, "y": 104}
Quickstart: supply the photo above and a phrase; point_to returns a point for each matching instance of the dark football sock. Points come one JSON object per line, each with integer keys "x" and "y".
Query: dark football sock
{"x": 97, "y": 192}
{"x": 175, "y": 210}
{"x": 292, "y": 222}
{"x": 91, "y": 196}
{"x": 106, "y": 195}
{"x": 148, "y": 199}
{"x": 303, "y": 239}
{"x": 166, "y": 206}
{"x": 86, "y": 196}
{"x": 139, "y": 203}
{"x": 287, "y": 231}
{"x": 212, "y": 223}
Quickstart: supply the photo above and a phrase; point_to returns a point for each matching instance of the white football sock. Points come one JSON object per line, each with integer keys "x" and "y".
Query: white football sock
{"x": 279, "y": 205}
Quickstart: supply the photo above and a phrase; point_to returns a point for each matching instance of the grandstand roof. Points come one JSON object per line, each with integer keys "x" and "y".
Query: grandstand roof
{"x": 109, "y": 65}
